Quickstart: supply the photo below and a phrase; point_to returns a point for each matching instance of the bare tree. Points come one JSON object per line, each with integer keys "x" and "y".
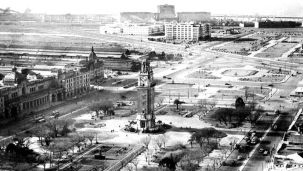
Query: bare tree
{"x": 160, "y": 101}
{"x": 106, "y": 106}
{"x": 145, "y": 141}
{"x": 43, "y": 159}
{"x": 60, "y": 126}
{"x": 246, "y": 94}
{"x": 206, "y": 105}
{"x": 191, "y": 160}
{"x": 203, "y": 104}
{"x": 147, "y": 155}
{"x": 76, "y": 140}
{"x": 212, "y": 103}
{"x": 95, "y": 107}
{"x": 90, "y": 136}
{"x": 158, "y": 142}
{"x": 43, "y": 133}
{"x": 135, "y": 162}
{"x": 164, "y": 139}
{"x": 130, "y": 167}
{"x": 59, "y": 146}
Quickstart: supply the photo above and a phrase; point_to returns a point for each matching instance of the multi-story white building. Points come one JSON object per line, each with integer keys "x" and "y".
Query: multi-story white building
{"x": 132, "y": 29}
{"x": 187, "y": 31}
{"x": 143, "y": 29}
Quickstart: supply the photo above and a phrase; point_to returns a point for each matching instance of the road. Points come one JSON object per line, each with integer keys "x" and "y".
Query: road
{"x": 273, "y": 137}
{"x": 66, "y": 109}
{"x": 257, "y": 161}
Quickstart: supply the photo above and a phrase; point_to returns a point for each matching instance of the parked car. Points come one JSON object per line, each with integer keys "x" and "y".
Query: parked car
{"x": 240, "y": 157}
{"x": 40, "y": 120}
{"x": 254, "y": 140}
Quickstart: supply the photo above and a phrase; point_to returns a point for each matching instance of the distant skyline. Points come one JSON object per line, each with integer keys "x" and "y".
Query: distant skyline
{"x": 238, "y": 7}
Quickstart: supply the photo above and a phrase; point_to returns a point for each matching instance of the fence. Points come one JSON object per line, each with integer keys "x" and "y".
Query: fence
{"x": 129, "y": 157}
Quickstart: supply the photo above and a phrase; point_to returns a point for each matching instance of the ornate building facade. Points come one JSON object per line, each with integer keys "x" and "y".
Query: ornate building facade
{"x": 22, "y": 96}
{"x": 22, "y": 93}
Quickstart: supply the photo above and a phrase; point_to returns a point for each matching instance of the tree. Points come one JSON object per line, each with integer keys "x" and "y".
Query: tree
{"x": 253, "y": 117}
{"x": 170, "y": 56}
{"x": 241, "y": 114}
{"x": 246, "y": 94}
{"x": 191, "y": 140}
{"x": 43, "y": 158}
{"x": 162, "y": 56}
{"x": 177, "y": 102}
{"x": 77, "y": 139}
{"x": 202, "y": 104}
{"x": 43, "y": 134}
{"x": 207, "y": 134}
{"x": 170, "y": 159}
{"x": 158, "y": 142}
{"x": 135, "y": 66}
{"x": 160, "y": 101}
{"x": 105, "y": 106}
{"x": 145, "y": 141}
{"x": 164, "y": 139}
{"x": 135, "y": 162}
{"x": 206, "y": 105}
{"x": 152, "y": 54}
{"x": 124, "y": 56}
{"x": 130, "y": 167}
{"x": 60, "y": 145}
{"x": 127, "y": 52}
{"x": 212, "y": 103}
{"x": 191, "y": 160}
{"x": 1, "y": 76}
{"x": 224, "y": 115}
{"x": 95, "y": 107}
{"x": 89, "y": 135}
{"x": 239, "y": 104}
{"x": 59, "y": 126}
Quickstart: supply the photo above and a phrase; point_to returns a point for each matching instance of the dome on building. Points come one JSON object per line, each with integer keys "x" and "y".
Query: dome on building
{"x": 92, "y": 55}
{"x": 10, "y": 77}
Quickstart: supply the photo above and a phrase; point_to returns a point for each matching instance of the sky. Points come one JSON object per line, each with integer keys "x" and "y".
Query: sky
{"x": 228, "y": 7}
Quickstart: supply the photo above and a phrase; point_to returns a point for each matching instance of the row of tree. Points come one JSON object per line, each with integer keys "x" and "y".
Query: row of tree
{"x": 239, "y": 114}
{"x": 106, "y": 106}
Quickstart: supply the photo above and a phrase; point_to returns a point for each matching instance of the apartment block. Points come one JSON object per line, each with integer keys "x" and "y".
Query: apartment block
{"x": 187, "y": 31}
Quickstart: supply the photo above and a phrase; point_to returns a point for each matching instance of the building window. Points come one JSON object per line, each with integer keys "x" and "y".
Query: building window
{"x": 40, "y": 87}
{"x": 15, "y": 94}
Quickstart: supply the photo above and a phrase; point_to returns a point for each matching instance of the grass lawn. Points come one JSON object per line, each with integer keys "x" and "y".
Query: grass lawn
{"x": 276, "y": 51}
{"x": 203, "y": 75}
{"x": 266, "y": 78}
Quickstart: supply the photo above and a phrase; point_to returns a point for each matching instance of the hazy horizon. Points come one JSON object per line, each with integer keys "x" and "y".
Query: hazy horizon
{"x": 293, "y": 8}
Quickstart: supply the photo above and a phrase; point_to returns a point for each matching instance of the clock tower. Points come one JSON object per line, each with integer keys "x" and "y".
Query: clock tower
{"x": 146, "y": 94}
